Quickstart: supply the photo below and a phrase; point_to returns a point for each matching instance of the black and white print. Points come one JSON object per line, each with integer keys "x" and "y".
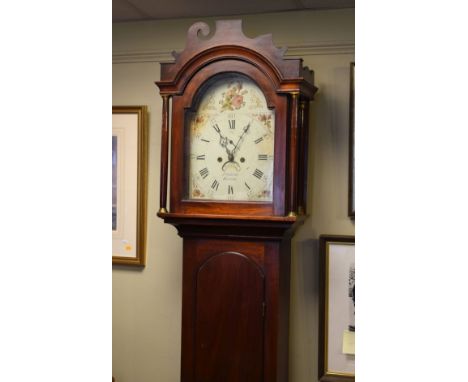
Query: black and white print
{"x": 352, "y": 297}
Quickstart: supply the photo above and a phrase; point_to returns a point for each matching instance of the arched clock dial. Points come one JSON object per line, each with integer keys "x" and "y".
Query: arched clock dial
{"x": 231, "y": 143}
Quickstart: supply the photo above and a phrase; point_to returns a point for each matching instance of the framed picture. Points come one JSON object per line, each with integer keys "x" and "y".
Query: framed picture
{"x": 337, "y": 303}
{"x": 129, "y": 184}
{"x": 351, "y": 176}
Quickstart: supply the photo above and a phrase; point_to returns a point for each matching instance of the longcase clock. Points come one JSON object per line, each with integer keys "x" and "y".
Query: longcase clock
{"x": 236, "y": 113}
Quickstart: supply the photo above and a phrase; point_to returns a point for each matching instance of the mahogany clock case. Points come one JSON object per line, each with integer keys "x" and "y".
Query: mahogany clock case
{"x": 236, "y": 254}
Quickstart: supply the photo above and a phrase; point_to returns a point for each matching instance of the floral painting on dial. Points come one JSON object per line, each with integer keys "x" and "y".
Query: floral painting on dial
{"x": 233, "y": 98}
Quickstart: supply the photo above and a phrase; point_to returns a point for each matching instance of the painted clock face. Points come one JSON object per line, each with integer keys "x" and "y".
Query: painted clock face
{"x": 231, "y": 143}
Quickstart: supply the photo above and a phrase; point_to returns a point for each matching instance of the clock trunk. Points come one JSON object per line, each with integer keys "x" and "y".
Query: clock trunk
{"x": 235, "y": 306}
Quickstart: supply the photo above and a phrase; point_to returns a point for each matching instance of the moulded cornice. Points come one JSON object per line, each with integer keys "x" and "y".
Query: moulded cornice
{"x": 293, "y": 51}
{"x": 319, "y": 48}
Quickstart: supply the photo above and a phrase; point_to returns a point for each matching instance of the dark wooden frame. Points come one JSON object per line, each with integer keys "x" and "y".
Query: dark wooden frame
{"x": 180, "y": 136}
{"x": 323, "y": 374}
{"x": 142, "y": 184}
{"x": 351, "y": 172}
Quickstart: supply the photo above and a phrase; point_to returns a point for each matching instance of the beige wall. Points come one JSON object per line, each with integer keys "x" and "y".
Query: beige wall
{"x": 147, "y": 302}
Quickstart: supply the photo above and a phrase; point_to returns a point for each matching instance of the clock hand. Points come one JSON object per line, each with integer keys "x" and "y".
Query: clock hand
{"x": 231, "y": 152}
{"x": 223, "y": 141}
{"x": 230, "y": 159}
{"x": 246, "y": 128}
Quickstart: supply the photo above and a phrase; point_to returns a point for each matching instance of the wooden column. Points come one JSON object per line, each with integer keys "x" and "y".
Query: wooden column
{"x": 293, "y": 155}
{"x": 303, "y": 150}
{"x": 164, "y": 154}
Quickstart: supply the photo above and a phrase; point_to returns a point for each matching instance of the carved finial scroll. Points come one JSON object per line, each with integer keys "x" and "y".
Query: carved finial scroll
{"x": 226, "y": 32}
{"x": 196, "y": 30}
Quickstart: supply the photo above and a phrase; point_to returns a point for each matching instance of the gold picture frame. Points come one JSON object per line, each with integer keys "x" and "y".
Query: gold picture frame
{"x": 129, "y": 184}
{"x": 337, "y": 297}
